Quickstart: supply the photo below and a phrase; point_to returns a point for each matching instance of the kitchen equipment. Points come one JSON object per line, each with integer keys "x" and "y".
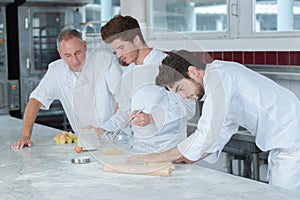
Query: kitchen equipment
{"x": 3, "y": 58}
{"x": 81, "y": 160}
{"x": 36, "y": 24}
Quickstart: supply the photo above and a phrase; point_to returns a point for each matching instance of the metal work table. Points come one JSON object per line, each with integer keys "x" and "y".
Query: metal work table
{"x": 241, "y": 144}
{"x": 44, "y": 171}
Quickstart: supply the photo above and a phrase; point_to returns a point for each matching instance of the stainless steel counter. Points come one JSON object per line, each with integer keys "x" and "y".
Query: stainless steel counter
{"x": 44, "y": 171}
{"x": 241, "y": 144}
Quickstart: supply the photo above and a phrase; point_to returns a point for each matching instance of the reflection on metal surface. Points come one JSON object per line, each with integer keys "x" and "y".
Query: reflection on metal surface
{"x": 45, "y": 28}
{"x": 278, "y": 72}
{"x": 91, "y": 33}
{"x": 13, "y": 95}
{"x": 5, "y": 2}
{"x": 81, "y": 160}
{"x": 3, "y": 61}
{"x": 2, "y": 95}
{"x": 56, "y": 3}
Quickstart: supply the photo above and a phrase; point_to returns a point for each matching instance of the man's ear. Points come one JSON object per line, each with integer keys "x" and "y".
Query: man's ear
{"x": 59, "y": 52}
{"x": 84, "y": 45}
{"x": 193, "y": 72}
{"x": 136, "y": 40}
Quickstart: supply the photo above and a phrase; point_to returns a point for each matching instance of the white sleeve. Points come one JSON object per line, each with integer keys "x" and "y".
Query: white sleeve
{"x": 190, "y": 108}
{"x": 211, "y": 122}
{"x": 120, "y": 119}
{"x": 172, "y": 111}
{"x": 213, "y": 157}
{"x": 114, "y": 78}
{"x": 45, "y": 92}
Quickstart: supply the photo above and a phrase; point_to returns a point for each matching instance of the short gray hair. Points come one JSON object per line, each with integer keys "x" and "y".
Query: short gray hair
{"x": 68, "y": 34}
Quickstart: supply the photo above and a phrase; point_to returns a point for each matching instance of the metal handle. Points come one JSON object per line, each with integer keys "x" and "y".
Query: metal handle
{"x": 26, "y": 23}
{"x": 27, "y": 63}
{"x": 2, "y": 96}
{"x": 234, "y": 9}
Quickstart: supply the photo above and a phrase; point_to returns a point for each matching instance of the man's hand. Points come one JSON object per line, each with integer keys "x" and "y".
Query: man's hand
{"x": 167, "y": 156}
{"x": 153, "y": 157}
{"x": 140, "y": 119}
{"x": 183, "y": 160}
{"x": 22, "y": 142}
{"x": 100, "y": 131}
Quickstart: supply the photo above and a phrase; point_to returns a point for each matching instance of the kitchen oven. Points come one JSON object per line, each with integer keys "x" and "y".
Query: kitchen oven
{"x": 36, "y": 24}
{"x": 3, "y": 58}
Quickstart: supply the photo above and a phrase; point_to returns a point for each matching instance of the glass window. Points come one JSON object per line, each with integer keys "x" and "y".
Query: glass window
{"x": 98, "y": 13}
{"x": 102, "y": 10}
{"x": 92, "y": 12}
{"x": 46, "y": 25}
{"x": 189, "y": 15}
{"x": 277, "y": 15}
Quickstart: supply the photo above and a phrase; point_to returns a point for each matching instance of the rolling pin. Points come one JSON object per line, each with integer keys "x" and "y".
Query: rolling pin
{"x": 160, "y": 164}
{"x": 138, "y": 169}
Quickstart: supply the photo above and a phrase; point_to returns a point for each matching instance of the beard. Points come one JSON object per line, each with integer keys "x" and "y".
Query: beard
{"x": 199, "y": 93}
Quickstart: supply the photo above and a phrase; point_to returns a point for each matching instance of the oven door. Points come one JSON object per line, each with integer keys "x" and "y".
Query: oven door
{"x": 38, "y": 28}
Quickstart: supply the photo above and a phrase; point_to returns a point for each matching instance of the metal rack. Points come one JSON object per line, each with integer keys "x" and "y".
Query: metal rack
{"x": 33, "y": 29}
{"x": 91, "y": 33}
{"x": 241, "y": 147}
{"x": 3, "y": 59}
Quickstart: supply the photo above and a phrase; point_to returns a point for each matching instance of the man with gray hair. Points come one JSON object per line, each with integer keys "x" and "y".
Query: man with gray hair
{"x": 84, "y": 84}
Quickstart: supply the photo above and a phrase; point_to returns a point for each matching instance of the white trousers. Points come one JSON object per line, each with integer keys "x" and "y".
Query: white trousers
{"x": 284, "y": 169}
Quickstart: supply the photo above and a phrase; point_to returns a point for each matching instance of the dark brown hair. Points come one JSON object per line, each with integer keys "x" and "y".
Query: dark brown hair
{"x": 175, "y": 66}
{"x": 121, "y": 27}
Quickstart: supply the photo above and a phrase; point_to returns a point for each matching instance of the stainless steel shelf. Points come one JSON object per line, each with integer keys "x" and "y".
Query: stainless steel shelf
{"x": 278, "y": 72}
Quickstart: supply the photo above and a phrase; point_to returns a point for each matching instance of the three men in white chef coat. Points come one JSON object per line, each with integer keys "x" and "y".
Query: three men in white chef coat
{"x": 234, "y": 96}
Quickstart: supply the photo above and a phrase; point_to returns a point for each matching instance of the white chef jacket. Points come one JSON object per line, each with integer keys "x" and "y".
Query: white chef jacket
{"x": 237, "y": 96}
{"x": 170, "y": 114}
{"x": 88, "y": 97}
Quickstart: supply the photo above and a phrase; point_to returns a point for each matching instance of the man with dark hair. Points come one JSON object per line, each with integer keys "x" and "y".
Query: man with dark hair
{"x": 127, "y": 28}
{"x": 124, "y": 35}
{"x": 163, "y": 121}
{"x": 234, "y": 96}
{"x": 84, "y": 84}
